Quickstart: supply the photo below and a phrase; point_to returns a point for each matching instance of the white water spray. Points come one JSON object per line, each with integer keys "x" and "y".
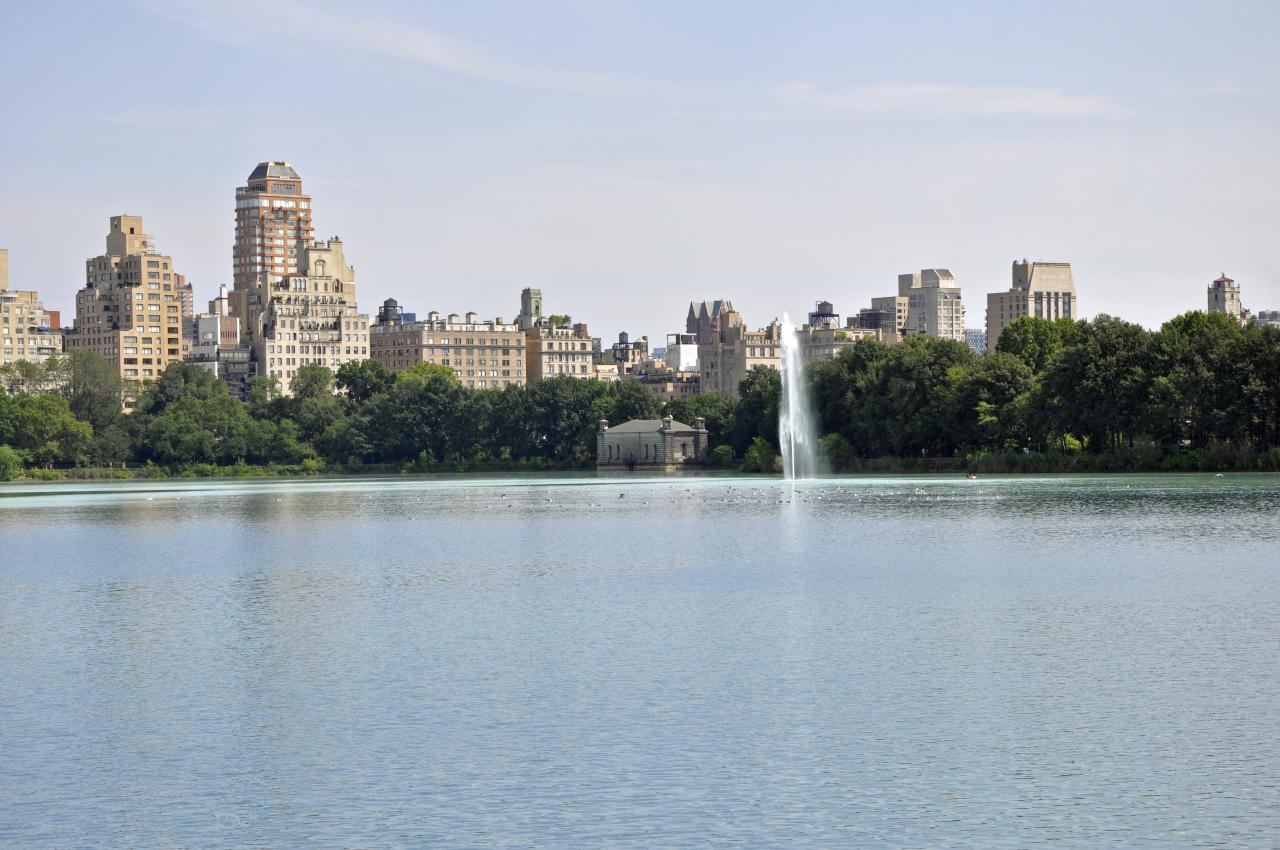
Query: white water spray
{"x": 797, "y": 426}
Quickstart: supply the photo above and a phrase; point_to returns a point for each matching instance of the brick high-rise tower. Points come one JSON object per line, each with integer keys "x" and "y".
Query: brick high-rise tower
{"x": 273, "y": 225}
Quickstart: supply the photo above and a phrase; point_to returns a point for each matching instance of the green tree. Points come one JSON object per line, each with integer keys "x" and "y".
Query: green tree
{"x": 44, "y": 431}
{"x": 1099, "y": 386}
{"x": 93, "y": 388}
{"x": 311, "y": 381}
{"x": 361, "y": 380}
{"x": 25, "y": 377}
{"x": 264, "y": 396}
{"x": 179, "y": 381}
{"x": 989, "y": 403}
{"x": 717, "y": 410}
{"x": 629, "y": 400}
{"x": 411, "y": 416}
{"x": 1196, "y": 377}
{"x": 756, "y": 414}
{"x": 1034, "y": 341}
{"x": 761, "y": 456}
{"x": 10, "y": 464}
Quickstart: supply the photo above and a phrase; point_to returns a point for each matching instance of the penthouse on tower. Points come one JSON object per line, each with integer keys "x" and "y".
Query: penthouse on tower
{"x": 295, "y": 297}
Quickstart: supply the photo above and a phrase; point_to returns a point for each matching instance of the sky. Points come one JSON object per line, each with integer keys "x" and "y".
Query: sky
{"x": 629, "y": 157}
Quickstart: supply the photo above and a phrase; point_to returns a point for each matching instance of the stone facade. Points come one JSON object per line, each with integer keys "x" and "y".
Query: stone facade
{"x": 706, "y": 319}
{"x": 1224, "y": 297}
{"x": 723, "y": 362}
{"x": 311, "y": 317}
{"x": 552, "y": 351}
{"x": 483, "y": 354}
{"x": 131, "y": 309}
{"x": 651, "y": 444}
{"x": 27, "y": 330}
{"x": 1040, "y": 290}
{"x": 934, "y": 305}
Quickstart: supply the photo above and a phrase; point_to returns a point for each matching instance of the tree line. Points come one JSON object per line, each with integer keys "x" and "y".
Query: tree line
{"x": 1201, "y": 392}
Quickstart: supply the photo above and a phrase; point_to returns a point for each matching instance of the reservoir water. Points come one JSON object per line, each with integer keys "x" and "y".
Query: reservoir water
{"x": 1087, "y": 662}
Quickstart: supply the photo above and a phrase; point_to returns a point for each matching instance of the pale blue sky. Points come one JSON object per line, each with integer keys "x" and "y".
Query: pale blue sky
{"x": 627, "y": 157}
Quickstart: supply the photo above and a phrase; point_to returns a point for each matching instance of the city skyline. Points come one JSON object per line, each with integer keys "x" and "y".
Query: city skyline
{"x": 730, "y": 157}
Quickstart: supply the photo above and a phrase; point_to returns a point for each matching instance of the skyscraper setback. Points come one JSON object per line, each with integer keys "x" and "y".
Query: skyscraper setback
{"x": 134, "y": 305}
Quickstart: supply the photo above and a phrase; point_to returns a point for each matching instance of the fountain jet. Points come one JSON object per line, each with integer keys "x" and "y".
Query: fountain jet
{"x": 797, "y": 423}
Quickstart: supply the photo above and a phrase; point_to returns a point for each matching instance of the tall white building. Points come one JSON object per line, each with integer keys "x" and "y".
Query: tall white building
{"x": 934, "y": 306}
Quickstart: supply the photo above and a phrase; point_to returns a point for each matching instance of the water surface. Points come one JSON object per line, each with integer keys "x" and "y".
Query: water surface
{"x": 624, "y": 663}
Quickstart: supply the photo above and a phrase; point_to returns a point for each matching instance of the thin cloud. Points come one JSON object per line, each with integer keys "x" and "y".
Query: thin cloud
{"x": 946, "y": 99}
{"x": 252, "y": 24}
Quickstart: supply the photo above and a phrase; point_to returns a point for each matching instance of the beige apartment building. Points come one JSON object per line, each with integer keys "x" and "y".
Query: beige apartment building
{"x": 1224, "y": 297}
{"x": 483, "y": 354}
{"x": 1040, "y": 290}
{"x": 131, "y": 309}
{"x": 734, "y": 351}
{"x": 669, "y": 385}
{"x": 552, "y": 349}
{"x": 310, "y": 317}
{"x": 27, "y": 331}
{"x": 725, "y": 361}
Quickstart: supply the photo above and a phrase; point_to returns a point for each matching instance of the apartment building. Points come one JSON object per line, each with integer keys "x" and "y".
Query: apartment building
{"x": 273, "y": 227}
{"x": 216, "y": 346}
{"x": 705, "y": 319}
{"x": 725, "y": 360}
{"x": 554, "y": 345}
{"x": 934, "y": 305}
{"x": 1041, "y": 290}
{"x": 27, "y": 330}
{"x": 483, "y": 354}
{"x": 310, "y": 317}
{"x": 133, "y": 308}
{"x": 551, "y": 351}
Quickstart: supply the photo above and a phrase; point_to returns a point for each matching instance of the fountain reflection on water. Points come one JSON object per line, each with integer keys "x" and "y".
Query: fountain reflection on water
{"x": 797, "y": 422}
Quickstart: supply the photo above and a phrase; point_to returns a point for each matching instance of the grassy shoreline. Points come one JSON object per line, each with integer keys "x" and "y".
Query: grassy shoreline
{"x": 1008, "y": 463}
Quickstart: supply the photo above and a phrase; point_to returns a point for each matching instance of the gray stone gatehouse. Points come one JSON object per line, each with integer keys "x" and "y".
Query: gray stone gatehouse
{"x": 651, "y": 444}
